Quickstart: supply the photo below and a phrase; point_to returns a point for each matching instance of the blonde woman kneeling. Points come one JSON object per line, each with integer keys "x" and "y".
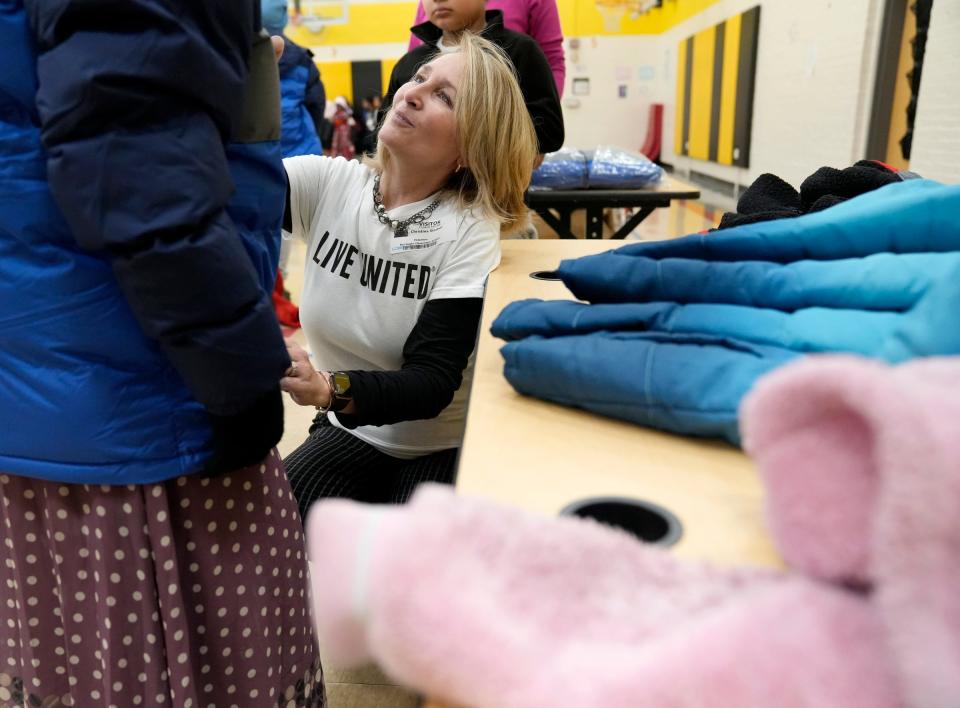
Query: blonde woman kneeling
{"x": 398, "y": 252}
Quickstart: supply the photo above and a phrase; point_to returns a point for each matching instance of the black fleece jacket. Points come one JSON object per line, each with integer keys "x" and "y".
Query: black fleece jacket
{"x": 535, "y": 78}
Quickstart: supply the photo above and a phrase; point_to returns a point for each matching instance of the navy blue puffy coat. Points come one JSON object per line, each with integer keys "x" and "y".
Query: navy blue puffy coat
{"x": 140, "y": 203}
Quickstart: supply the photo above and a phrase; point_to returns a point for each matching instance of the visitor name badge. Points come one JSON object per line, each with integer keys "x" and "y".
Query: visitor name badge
{"x": 422, "y": 235}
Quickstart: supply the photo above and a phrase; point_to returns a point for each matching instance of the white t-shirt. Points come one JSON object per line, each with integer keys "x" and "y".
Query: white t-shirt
{"x": 364, "y": 288}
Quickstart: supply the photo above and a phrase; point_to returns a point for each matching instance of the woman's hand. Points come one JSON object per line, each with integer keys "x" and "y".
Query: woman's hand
{"x": 306, "y": 386}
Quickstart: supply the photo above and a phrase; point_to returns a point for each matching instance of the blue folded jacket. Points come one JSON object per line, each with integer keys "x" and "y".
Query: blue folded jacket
{"x": 680, "y": 330}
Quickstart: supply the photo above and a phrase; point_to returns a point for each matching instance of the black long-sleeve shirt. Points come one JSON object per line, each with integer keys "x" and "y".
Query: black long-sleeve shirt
{"x": 435, "y": 355}
{"x": 434, "y": 358}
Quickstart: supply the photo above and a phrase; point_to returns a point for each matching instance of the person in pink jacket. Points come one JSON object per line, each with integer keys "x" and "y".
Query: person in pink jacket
{"x": 536, "y": 18}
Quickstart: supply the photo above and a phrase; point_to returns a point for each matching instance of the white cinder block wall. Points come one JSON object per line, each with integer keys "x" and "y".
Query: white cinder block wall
{"x": 936, "y": 134}
{"x": 814, "y": 84}
{"x": 603, "y": 117}
{"x": 814, "y": 60}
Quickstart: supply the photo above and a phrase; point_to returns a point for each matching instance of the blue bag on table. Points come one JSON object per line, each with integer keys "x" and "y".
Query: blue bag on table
{"x": 564, "y": 169}
{"x": 613, "y": 168}
{"x": 603, "y": 168}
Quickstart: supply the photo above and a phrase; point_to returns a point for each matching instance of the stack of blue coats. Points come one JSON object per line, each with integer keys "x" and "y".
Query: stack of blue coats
{"x": 677, "y": 332}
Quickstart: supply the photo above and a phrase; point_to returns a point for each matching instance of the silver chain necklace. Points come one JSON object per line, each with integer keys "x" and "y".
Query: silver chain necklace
{"x": 398, "y": 227}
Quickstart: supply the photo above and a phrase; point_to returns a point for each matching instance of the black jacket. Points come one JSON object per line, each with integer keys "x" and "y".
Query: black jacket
{"x": 535, "y": 78}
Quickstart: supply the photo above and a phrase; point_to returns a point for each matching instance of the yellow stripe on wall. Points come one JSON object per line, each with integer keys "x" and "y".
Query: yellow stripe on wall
{"x": 681, "y": 107}
{"x": 389, "y": 22}
{"x": 701, "y": 93}
{"x": 386, "y": 68}
{"x": 672, "y": 13}
{"x": 581, "y": 18}
{"x": 728, "y": 91}
{"x": 337, "y": 79}
{"x": 716, "y": 103}
{"x": 567, "y": 10}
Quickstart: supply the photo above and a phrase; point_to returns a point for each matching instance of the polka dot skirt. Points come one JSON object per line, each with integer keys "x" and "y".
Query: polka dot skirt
{"x": 188, "y": 593}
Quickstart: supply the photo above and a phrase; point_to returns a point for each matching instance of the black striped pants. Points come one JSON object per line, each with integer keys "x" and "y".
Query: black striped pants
{"x": 334, "y": 463}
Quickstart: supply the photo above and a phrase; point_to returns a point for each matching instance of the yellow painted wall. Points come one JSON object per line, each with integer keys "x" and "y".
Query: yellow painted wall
{"x": 382, "y": 26}
{"x": 582, "y": 18}
{"x": 337, "y": 79}
{"x": 728, "y": 91}
{"x": 901, "y": 94}
{"x": 386, "y": 68}
{"x": 678, "y": 145}
{"x": 376, "y": 23}
{"x": 713, "y": 122}
{"x": 701, "y": 98}
{"x": 389, "y": 22}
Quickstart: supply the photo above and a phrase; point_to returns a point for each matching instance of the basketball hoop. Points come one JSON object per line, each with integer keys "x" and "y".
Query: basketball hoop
{"x": 312, "y": 23}
{"x": 612, "y": 12}
{"x": 317, "y": 14}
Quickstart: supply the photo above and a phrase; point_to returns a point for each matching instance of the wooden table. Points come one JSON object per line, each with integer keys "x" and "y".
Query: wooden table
{"x": 565, "y": 202}
{"x": 541, "y": 456}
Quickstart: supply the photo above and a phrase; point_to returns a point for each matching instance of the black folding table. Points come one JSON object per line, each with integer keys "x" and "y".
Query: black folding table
{"x": 555, "y": 207}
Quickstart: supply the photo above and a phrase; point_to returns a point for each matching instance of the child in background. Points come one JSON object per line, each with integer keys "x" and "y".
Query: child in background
{"x": 537, "y": 18}
{"x": 447, "y": 20}
{"x": 343, "y": 122}
{"x": 302, "y": 101}
{"x": 302, "y": 95}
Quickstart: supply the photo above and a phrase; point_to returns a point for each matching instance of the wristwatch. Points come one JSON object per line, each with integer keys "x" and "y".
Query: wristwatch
{"x": 340, "y": 391}
{"x": 339, "y": 384}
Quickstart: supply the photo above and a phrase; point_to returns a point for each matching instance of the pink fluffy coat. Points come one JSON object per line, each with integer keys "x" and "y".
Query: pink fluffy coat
{"x": 861, "y": 463}
{"x": 481, "y": 605}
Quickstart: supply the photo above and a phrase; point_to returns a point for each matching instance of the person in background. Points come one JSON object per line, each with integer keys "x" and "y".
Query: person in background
{"x": 302, "y": 102}
{"x": 341, "y": 145}
{"x": 537, "y": 18}
{"x": 371, "y": 111}
{"x": 448, "y": 19}
{"x": 152, "y": 551}
{"x": 326, "y": 137}
{"x": 398, "y": 252}
{"x": 373, "y": 105}
{"x": 302, "y": 94}
{"x": 361, "y": 130}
